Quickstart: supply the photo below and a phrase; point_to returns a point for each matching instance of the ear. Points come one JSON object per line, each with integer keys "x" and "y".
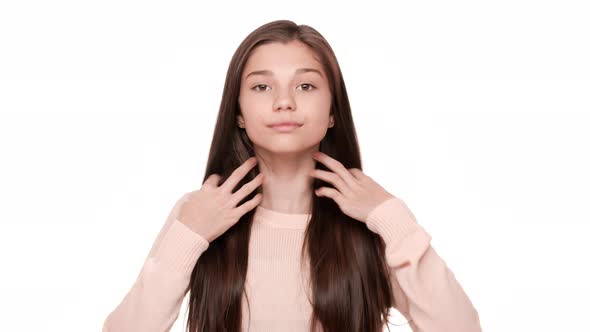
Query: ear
{"x": 331, "y": 121}
{"x": 240, "y": 121}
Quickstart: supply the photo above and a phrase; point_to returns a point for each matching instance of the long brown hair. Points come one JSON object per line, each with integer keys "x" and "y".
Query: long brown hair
{"x": 349, "y": 277}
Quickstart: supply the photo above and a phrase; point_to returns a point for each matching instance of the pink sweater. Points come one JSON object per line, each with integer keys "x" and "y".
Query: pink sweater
{"x": 425, "y": 289}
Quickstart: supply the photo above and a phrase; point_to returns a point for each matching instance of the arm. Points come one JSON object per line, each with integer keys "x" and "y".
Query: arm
{"x": 425, "y": 289}
{"x": 153, "y": 302}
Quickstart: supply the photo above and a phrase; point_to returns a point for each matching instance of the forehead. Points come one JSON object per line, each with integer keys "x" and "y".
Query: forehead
{"x": 279, "y": 57}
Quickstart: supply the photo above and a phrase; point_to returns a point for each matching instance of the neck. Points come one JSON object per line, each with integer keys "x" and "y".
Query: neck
{"x": 287, "y": 185}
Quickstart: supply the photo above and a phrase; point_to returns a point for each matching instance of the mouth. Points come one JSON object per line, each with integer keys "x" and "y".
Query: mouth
{"x": 285, "y": 126}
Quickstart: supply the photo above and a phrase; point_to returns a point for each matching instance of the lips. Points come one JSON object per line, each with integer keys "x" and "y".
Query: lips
{"x": 285, "y": 126}
{"x": 285, "y": 123}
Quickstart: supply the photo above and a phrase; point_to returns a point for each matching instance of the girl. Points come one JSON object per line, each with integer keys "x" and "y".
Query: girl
{"x": 287, "y": 233}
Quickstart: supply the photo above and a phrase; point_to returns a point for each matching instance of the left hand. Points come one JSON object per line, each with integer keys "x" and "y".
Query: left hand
{"x": 356, "y": 194}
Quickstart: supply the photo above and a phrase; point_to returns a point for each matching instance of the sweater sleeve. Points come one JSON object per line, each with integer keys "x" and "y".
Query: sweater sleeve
{"x": 425, "y": 289}
{"x": 153, "y": 302}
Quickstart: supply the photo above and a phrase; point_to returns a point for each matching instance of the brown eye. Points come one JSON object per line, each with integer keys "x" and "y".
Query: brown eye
{"x": 256, "y": 86}
{"x": 308, "y": 85}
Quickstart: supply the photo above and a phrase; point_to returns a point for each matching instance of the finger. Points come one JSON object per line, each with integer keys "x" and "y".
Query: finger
{"x": 357, "y": 173}
{"x": 332, "y": 178}
{"x": 246, "y": 189}
{"x": 329, "y": 192}
{"x": 212, "y": 180}
{"x": 239, "y": 173}
{"x": 249, "y": 205}
{"x": 336, "y": 167}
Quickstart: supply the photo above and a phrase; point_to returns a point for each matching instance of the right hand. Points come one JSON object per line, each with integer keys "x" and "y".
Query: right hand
{"x": 211, "y": 210}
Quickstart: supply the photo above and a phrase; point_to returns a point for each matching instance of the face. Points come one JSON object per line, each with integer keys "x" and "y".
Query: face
{"x": 276, "y": 87}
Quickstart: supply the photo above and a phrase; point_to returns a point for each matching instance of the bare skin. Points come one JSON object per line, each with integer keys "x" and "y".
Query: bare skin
{"x": 212, "y": 210}
{"x": 283, "y": 92}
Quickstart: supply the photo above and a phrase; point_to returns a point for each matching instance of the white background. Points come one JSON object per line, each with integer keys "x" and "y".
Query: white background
{"x": 475, "y": 113}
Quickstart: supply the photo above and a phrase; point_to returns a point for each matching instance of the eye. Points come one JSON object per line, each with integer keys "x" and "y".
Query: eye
{"x": 256, "y": 86}
{"x": 307, "y": 87}
{"x": 307, "y": 84}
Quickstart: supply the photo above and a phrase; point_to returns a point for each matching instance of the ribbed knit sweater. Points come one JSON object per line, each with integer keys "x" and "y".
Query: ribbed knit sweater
{"x": 426, "y": 291}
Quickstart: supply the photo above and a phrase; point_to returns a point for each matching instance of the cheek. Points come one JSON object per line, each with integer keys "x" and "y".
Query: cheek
{"x": 319, "y": 118}
{"x": 252, "y": 112}
{"x": 317, "y": 131}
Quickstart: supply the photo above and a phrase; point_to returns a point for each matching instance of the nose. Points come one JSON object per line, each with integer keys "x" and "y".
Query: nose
{"x": 284, "y": 102}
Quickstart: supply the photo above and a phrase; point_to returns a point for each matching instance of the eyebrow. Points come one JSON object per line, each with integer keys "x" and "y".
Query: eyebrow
{"x": 298, "y": 71}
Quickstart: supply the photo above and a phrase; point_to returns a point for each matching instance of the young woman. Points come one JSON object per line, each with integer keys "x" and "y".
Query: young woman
{"x": 287, "y": 233}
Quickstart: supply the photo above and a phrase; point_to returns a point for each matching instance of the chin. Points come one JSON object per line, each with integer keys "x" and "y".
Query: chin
{"x": 286, "y": 149}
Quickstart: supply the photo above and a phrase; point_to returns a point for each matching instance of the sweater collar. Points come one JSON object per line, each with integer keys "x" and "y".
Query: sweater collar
{"x": 278, "y": 219}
